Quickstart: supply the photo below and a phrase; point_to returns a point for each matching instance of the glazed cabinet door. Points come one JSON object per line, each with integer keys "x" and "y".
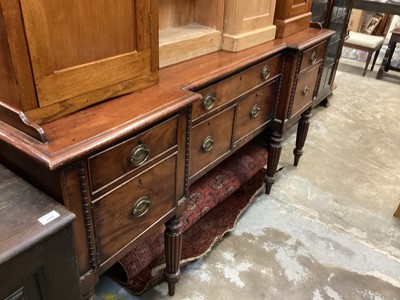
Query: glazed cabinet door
{"x": 92, "y": 49}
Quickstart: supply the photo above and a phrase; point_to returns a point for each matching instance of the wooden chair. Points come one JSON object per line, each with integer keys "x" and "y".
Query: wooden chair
{"x": 365, "y": 42}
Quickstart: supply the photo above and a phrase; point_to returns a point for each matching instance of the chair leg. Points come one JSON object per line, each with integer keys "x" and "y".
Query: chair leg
{"x": 375, "y": 57}
{"x": 367, "y": 62}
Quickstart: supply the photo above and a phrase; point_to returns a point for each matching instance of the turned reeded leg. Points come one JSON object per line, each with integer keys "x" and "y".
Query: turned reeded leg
{"x": 273, "y": 160}
{"x": 302, "y": 130}
{"x": 173, "y": 249}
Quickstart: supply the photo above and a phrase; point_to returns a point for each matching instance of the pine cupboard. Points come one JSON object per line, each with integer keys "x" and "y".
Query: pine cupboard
{"x": 60, "y": 56}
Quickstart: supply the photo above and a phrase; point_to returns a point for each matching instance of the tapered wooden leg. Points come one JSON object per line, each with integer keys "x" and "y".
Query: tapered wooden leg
{"x": 273, "y": 160}
{"x": 302, "y": 130}
{"x": 173, "y": 249}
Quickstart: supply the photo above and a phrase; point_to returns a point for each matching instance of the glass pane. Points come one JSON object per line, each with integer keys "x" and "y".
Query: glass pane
{"x": 319, "y": 10}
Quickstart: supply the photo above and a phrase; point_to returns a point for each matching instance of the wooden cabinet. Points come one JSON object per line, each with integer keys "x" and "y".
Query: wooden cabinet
{"x": 189, "y": 28}
{"x": 335, "y": 15}
{"x": 292, "y": 16}
{"x": 37, "y": 255}
{"x": 248, "y": 23}
{"x": 124, "y": 166}
{"x": 61, "y": 56}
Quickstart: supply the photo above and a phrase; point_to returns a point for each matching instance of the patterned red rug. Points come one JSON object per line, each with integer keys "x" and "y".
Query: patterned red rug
{"x": 215, "y": 203}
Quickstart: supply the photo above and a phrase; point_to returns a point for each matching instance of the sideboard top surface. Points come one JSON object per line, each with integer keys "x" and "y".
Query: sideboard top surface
{"x": 94, "y": 127}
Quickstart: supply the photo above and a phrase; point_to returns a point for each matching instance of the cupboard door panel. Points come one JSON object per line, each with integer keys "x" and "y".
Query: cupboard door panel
{"x": 79, "y": 46}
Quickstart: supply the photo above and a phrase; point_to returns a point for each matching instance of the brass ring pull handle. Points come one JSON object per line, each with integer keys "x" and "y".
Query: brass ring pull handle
{"x": 313, "y": 58}
{"x": 139, "y": 155}
{"x": 209, "y": 100}
{"x": 208, "y": 143}
{"x": 141, "y": 206}
{"x": 266, "y": 71}
{"x": 255, "y": 111}
{"x": 305, "y": 91}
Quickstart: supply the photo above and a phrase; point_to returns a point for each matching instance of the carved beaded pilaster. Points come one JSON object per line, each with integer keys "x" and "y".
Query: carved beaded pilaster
{"x": 302, "y": 131}
{"x": 87, "y": 215}
{"x": 293, "y": 91}
{"x": 173, "y": 249}
{"x": 273, "y": 160}
{"x": 187, "y": 148}
{"x": 278, "y": 95}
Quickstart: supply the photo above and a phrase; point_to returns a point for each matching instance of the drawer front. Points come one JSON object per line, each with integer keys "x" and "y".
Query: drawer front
{"x": 121, "y": 216}
{"x": 304, "y": 90}
{"x": 129, "y": 155}
{"x": 312, "y": 56}
{"x": 255, "y": 110}
{"x": 229, "y": 89}
{"x": 210, "y": 139}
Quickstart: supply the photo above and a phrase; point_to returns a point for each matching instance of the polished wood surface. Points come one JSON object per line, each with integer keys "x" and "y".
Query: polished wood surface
{"x": 219, "y": 129}
{"x": 87, "y": 154}
{"x": 254, "y": 111}
{"x": 115, "y": 162}
{"x": 116, "y": 222}
{"x": 74, "y": 59}
{"x": 291, "y": 16}
{"x": 86, "y": 130}
{"x": 248, "y": 23}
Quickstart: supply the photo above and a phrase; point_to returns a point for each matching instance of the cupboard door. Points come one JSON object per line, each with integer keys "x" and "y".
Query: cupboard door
{"x": 77, "y": 47}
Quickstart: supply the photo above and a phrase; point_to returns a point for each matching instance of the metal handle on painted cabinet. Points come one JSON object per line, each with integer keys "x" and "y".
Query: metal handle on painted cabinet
{"x": 313, "y": 58}
{"x": 266, "y": 71}
{"x": 139, "y": 155}
{"x": 141, "y": 206}
{"x": 255, "y": 111}
{"x": 305, "y": 91}
{"x": 209, "y": 100}
{"x": 208, "y": 143}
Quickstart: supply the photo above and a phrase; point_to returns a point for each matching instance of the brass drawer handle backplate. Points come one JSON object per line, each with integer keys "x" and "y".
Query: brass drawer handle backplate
{"x": 208, "y": 143}
{"x": 139, "y": 155}
{"x": 313, "y": 58}
{"x": 141, "y": 206}
{"x": 209, "y": 100}
{"x": 305, "y": 91}
{"x": 255, "y": 111}
{"x": 266, "y": 71}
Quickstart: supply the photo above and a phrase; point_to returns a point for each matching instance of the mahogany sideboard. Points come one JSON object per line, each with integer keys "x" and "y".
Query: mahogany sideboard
{"x": 123, "y": 166}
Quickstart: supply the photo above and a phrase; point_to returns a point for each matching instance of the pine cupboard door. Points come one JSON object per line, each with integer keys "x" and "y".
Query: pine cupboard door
{"x": 248, "y": 23}
{"x": 83, "y": 52}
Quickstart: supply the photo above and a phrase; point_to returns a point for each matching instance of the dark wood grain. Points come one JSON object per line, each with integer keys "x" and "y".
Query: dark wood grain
{"x": 114, "y": 222}
{"x": 219, "y": 128}
{"x": 32, "y": 253}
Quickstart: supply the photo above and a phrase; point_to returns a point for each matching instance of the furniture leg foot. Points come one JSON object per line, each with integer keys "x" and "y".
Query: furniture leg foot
{"x": 375, "y": 57}
{"x": 273, "y": 160}
{"x": 367, "y": 63}
{"x": 325, "y": 103}
{"x": 302, "y": 130}
{"x": 173, "y": 249}
{"x": 90, "y": 296}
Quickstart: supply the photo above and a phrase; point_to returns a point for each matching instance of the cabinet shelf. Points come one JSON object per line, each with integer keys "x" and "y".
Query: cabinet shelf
{"x": 179, "y": 33}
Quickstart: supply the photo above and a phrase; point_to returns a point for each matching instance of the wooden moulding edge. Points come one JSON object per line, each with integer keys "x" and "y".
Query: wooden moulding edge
{"x": 18, "y": 119}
